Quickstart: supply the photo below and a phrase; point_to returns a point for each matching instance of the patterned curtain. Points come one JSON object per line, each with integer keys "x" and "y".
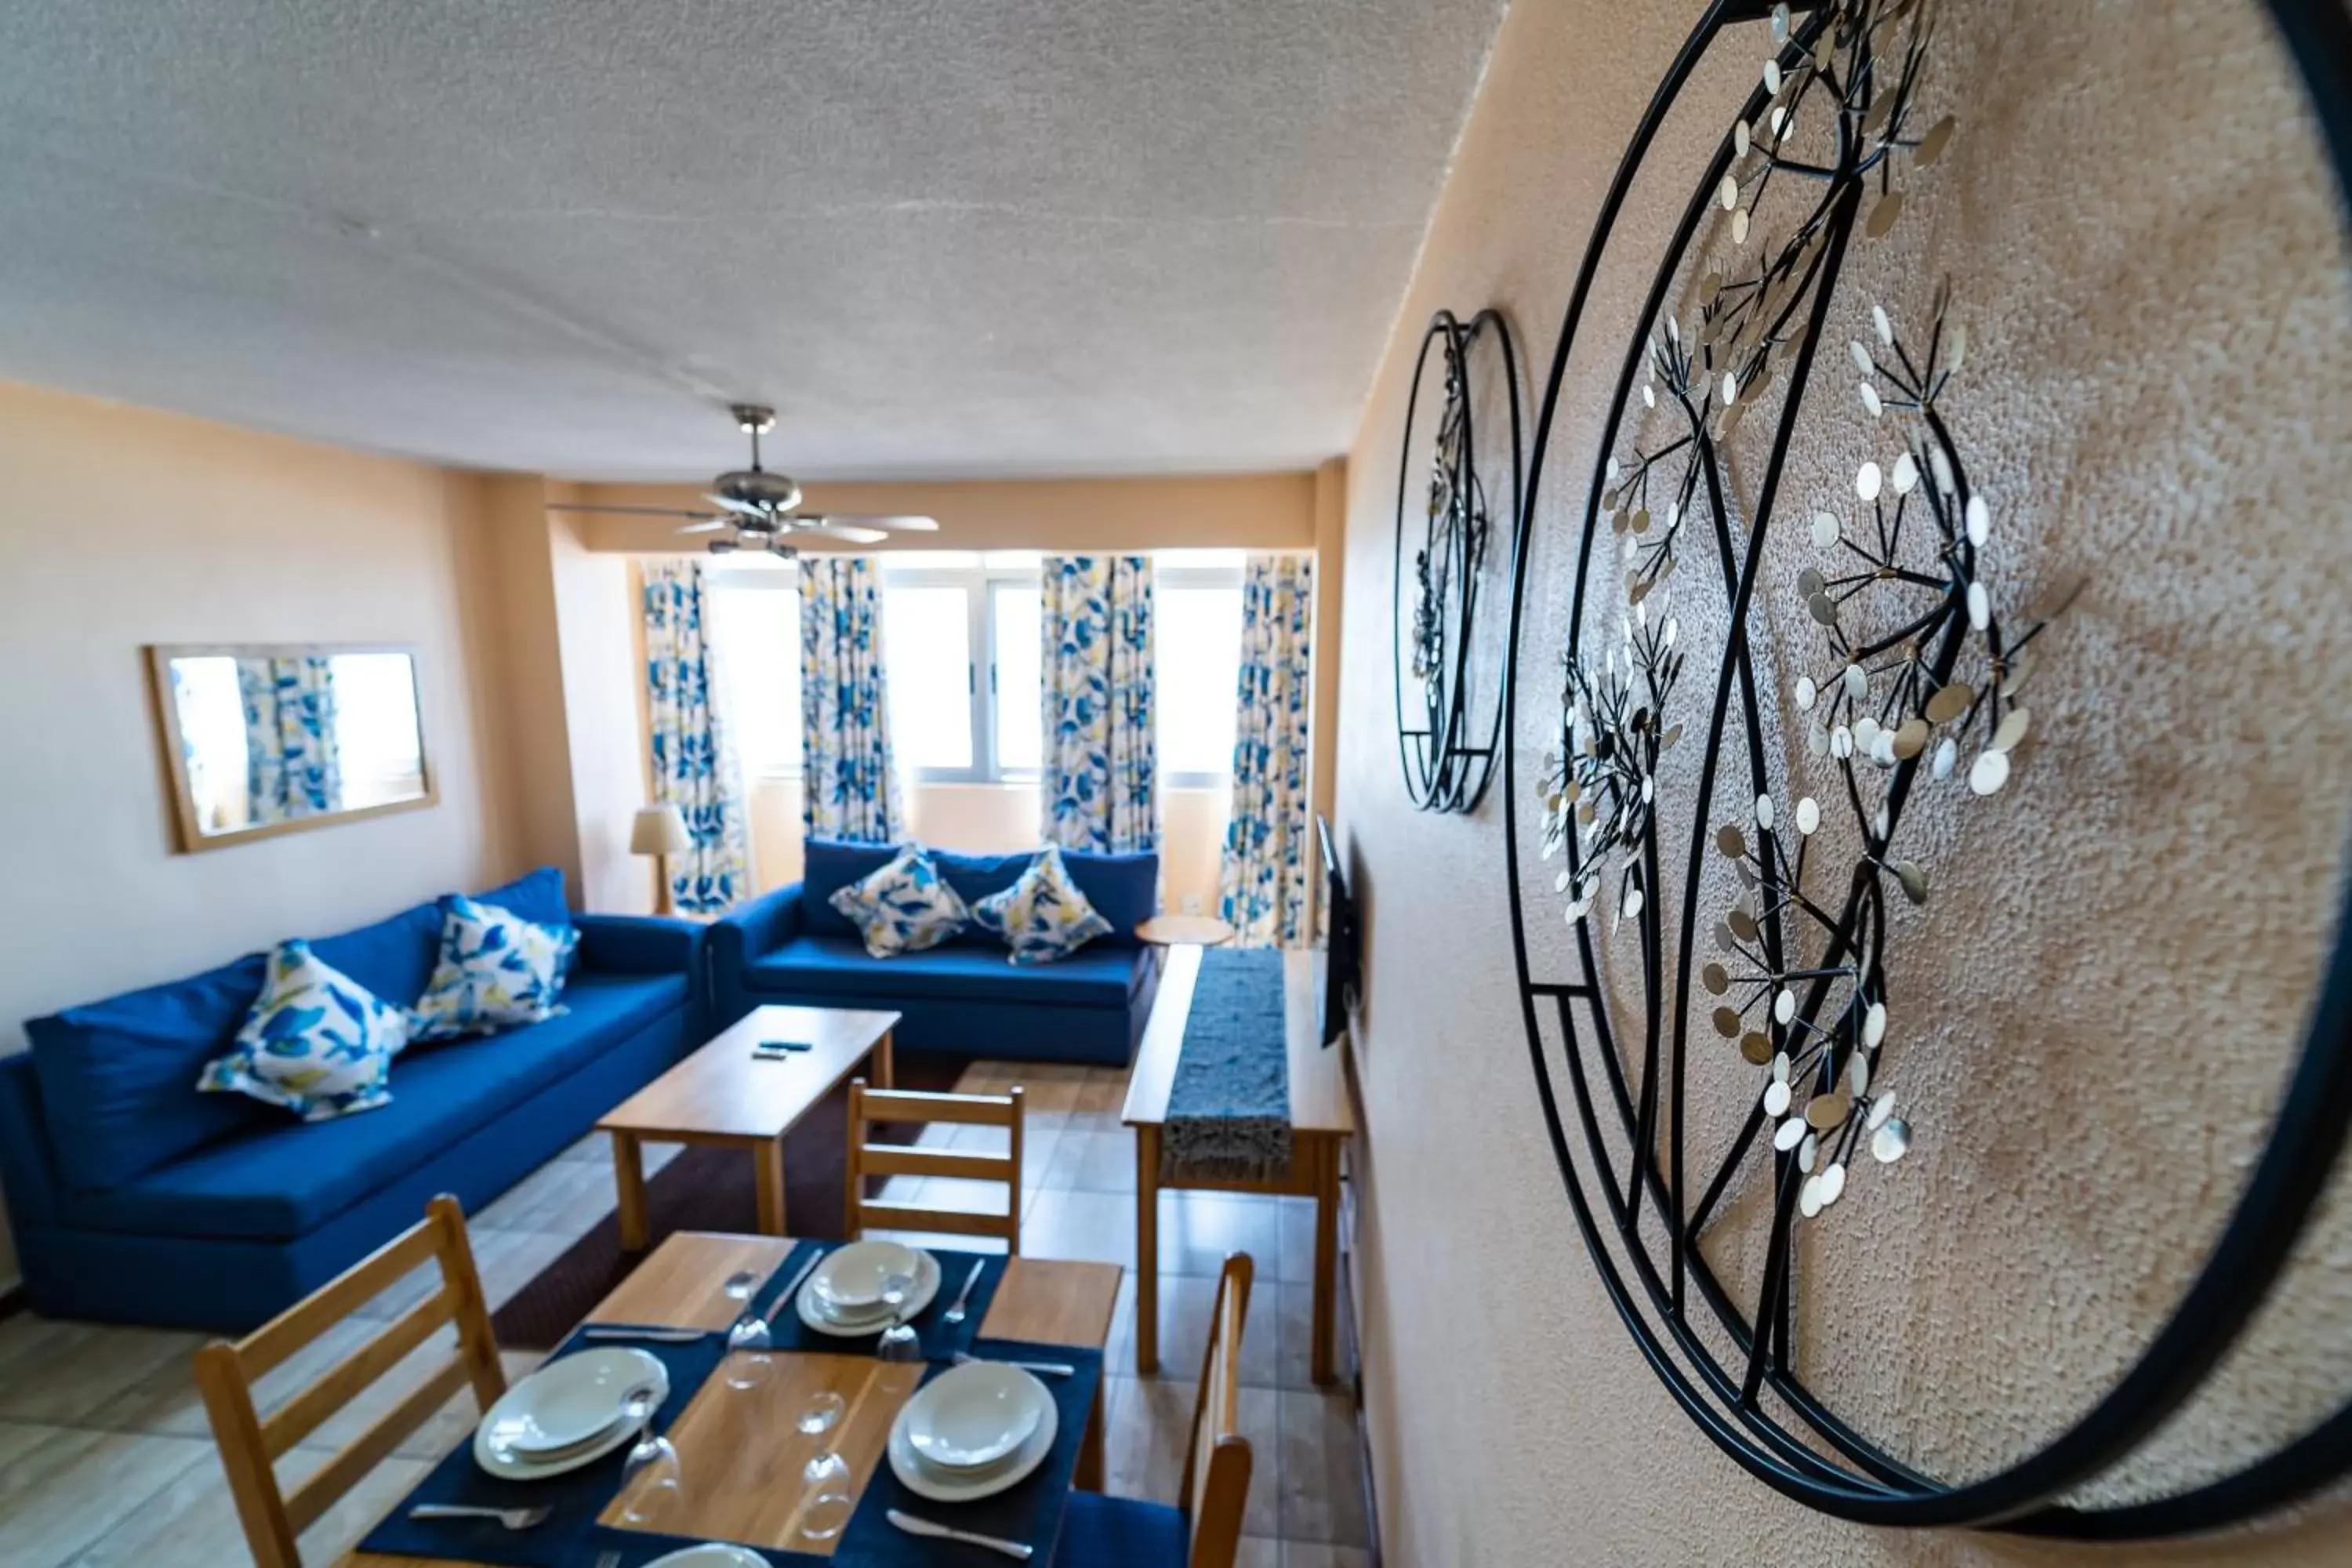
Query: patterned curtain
{"x": 1101, "y": 752}
{"x": 1262, "y": 881}
{"x": 848, "y": 787}
{"x": 693, "y": 762}
{"x": 292, "y": 765}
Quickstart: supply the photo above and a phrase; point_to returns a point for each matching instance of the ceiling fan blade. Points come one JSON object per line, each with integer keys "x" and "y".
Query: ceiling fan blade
{"x": 887, "y": 524}
{"x": 848, "y": 533}
{"x": 708, "y": 525}
{"x": 623, "y": 510}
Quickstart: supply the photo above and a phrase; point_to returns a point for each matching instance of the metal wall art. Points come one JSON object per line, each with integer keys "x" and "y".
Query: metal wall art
{"x": 1751, "y": 919}
{"x": 1448, "y": 688}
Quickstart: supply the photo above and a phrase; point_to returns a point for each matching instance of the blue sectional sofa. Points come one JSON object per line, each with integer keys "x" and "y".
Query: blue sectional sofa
{"x": 963, "y": 996}
{"x": 135, "y": 1199}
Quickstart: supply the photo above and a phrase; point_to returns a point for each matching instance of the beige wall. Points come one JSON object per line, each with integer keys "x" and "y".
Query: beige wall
{"x": 120, "y": 528}
{"x": 2123, "y": 945}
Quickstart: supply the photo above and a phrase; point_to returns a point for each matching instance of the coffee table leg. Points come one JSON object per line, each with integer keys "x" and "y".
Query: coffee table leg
{"x": 1147, "y": 1251}
{"x": 629, "y": 1178}
{"x": 886, "y": 1071}
{"x": 769, "y": 1159}
{"x": 1327, "y": 1258}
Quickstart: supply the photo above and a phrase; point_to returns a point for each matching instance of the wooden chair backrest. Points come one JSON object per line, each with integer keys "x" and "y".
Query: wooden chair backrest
{"x": 250, "y": 1445}
{"x": 870, "y": 1106}
{"x": 1217, "y": 1460}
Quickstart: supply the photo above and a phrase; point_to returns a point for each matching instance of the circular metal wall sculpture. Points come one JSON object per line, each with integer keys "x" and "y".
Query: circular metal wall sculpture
{"x": 1449, "y": 709}
{"x": 1752, "y": 921}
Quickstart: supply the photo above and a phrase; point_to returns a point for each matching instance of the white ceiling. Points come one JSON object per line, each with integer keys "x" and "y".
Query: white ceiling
{"x": 945, "y": 237}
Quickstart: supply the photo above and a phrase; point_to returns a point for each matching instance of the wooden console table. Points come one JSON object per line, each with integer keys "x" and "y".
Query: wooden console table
{"x": 1320, "y": 1123}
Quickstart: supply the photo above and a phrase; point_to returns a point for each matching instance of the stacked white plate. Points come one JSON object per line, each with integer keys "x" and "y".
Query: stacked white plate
{"x": 844, "y": 1294}
{"x": 569, "y": 1412}
{"x": 971, "y": 1432}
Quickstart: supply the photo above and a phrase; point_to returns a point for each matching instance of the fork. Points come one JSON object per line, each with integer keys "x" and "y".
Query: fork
{"x": 512, "y": 1518}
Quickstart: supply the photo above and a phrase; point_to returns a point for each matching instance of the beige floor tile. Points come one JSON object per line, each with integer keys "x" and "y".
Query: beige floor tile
{"x": 192, "y": 1524}
{"x": 594, "y": 1146}
{"x": 1295, "y": 1220}
{"x": 1186, "y": 1302}
{"x": 1150, "y": 1420}
{"x": 567, "y": 1196}
{"x": 1094, "y": 1227}
{"x": 1103, "y": 1091}
{"x": 1095, "y": 1162}
{"x": 1051, "y": 1095}
{"x": 1322, "y": 1485}
{"x": 63, "y": 1487}
{"x": 1294, "y": 1316}
{"x": 1197, "y": 1230}
{"x": 1257, "y": 1552}
{"x": 64, "y": 1373}
{"x": 1322, "y": 1554}
{"x": 1092, "y": 1122}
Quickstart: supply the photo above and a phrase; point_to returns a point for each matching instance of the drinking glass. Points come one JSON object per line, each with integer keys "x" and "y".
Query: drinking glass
{"x": 748, "y": 1362}
{"x": 825, "y": 1505}
{"x": 650, "y": 1476}
{"x": 899, "y": 1342}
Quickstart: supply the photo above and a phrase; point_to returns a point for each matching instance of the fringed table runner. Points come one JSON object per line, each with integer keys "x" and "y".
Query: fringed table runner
{"x": 1229, "y": 1103}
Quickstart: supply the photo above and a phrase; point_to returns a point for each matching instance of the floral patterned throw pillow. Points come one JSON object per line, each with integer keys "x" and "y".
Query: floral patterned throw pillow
{"x": 904, "y": 906}
{"x": 315, "y": 1041}
{"x": 1042, "y": 916}
{"x": 498, "y": 971}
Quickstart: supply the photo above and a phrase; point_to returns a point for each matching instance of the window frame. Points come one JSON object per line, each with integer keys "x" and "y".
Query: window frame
{"x": 1166, "y": 579}
{"x": 980, "y": 583}
{"x": 734, "y": 579}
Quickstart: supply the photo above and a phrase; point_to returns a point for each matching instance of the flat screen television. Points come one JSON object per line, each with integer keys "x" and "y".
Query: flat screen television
{"x": 1342, "y": 979}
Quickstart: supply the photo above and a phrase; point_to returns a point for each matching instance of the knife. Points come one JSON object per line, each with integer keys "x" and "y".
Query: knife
{"x": 793, "y": 1288}
{"x": 1015, "y": 1550}
{"x": 658, "y": 1336}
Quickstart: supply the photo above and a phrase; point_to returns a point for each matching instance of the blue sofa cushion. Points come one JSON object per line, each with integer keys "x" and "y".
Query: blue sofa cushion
{"x": 1101, "y": 1531}
{"x": 536, "y": 896}
{"x": 1097, "y": 976}
{"x": 119, "y": 1077}
{"x": 1123, "y": 888}
{"x": 392, "y": 958}
{"x": 285, "y": 1179}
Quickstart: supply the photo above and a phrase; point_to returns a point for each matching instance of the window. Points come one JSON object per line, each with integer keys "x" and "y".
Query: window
{"x": 1197, "y": 611}
{"x": 755, "y": 618}
{"x": 961, "y": 630}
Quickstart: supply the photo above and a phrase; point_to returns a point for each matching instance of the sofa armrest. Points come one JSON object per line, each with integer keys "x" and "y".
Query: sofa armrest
{"x": 762, "y": 925}
{"x": 638, "y": 944}
{"x": 27, "y": 1162}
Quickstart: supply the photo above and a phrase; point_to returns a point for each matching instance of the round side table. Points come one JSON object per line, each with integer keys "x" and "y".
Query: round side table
{"x": 1173, "y": 931}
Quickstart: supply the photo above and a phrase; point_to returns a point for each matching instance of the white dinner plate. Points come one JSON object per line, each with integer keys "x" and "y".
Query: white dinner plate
{"x": 609, "y": 1373}
{"x": 850, "y": 1279}
{"x": 940, "y": 1486}
{"x": 713, "y": 1554}
{"x": 970, "y": 1417}
{"x": 927, "y": 1285}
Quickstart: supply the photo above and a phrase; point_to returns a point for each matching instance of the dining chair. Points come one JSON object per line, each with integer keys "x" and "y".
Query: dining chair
{"x": 869, "y": 1107}
{"x": 250, "y": 1445}
{"x": 1204, "y": 1530}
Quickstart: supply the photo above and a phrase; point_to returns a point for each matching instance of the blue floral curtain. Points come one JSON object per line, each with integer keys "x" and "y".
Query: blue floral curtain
{"x": 1264, "y": 887}
{"x": 848, "y": 788}
{"x": 1101, "y": 774}
{"x": 693, "y": 764}
{"x": 292, "y": 765}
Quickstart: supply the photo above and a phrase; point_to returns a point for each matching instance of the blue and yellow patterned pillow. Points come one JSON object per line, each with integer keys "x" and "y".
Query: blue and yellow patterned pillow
{"x": 902, "y": 906}
{"x": 1042, "y": 916}
{"x": 315, "y": 1041}
{"x": 496, "y": 971}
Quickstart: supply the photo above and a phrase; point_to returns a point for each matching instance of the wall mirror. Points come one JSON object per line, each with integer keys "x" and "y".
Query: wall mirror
{"x": 268, "y": 738}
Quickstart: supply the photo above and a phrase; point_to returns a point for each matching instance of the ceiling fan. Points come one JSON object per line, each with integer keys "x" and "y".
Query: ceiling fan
{"x": 762, "y": 507}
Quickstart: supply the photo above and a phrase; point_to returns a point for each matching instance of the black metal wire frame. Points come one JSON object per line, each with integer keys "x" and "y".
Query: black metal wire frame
{"x": 1447, "y": 769}
{"x": 2306, "y": 1136}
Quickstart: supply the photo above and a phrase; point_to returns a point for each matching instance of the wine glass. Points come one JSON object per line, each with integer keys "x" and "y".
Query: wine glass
{"x": 899, "y": 1342}
{"x": 826, "y": 1504}
{"x": 748, "y": 1344}
{"x": 650, "y": 1476}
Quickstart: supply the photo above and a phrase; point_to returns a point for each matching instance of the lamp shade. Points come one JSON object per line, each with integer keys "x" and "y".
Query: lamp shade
{"x": 659, "y": 830}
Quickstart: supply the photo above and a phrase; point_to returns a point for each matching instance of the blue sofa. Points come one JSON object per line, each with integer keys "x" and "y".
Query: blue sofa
{"x": 135, "y": 1199}
{"x": 963, "y": 996}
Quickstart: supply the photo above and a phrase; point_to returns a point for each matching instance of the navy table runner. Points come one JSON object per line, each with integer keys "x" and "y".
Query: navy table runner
{"x": 573, "y": 1537}
{"x": 1229, "y": 1101}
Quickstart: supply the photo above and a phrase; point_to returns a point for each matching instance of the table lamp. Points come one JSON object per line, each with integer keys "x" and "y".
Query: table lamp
{"x": 660, "y": 831}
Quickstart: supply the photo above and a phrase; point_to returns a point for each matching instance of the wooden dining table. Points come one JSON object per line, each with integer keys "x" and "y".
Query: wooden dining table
{"x": 740, "y": 1451}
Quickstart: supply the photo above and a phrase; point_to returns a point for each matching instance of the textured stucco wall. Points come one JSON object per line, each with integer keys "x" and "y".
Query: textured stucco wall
{"x": 2112, "y": 976}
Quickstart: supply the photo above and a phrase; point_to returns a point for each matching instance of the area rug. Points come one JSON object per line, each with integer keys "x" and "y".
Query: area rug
{"x": 711, "y": 1189}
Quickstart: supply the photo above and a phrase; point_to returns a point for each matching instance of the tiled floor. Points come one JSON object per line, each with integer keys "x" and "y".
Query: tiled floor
{"x": 105, "y": 1459}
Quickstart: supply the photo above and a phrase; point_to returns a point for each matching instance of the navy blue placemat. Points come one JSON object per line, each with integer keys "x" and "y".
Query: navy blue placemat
{"x": 1031, "y": 1511}
{"x": 941, "y": 1340}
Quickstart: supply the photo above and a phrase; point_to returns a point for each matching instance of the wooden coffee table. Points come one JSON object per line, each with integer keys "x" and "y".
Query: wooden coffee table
{"x": 723, "y": 1094}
